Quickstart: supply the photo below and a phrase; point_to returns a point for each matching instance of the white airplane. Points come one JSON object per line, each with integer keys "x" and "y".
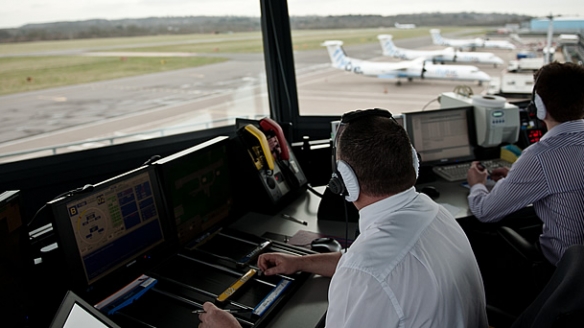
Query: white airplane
{"x": 404, "y": 26}
{"x": 469, "y": 43}
{"x": 417, "y": 68}
{"x": 457, "y": 43}
{"x": 499, "y": 44}
{"x": 441, "y": 56}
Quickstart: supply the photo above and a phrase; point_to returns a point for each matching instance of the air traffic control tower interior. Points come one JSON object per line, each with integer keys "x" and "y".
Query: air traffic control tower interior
{"x": 142, "y": 234}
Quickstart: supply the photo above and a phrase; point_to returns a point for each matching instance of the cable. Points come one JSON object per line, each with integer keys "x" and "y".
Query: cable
{"x": 314, "y": 191}
{"x": 86, "y": 188}
{"x": 346, "y": 227}
{"x": 152, "y": 159}
{"x": 429, "y": 102}
{"x": 35, "y": 215}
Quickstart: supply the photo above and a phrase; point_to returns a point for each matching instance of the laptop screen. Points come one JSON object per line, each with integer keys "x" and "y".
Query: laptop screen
{"x": 75, "y": 312}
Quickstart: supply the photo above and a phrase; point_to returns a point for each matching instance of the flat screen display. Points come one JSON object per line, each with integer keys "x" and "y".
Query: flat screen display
{"x": 111, "y": 226}
{"x": 196, "y": 184}
{"x": 440, "y": 136}
{"x": 74, "y": 312}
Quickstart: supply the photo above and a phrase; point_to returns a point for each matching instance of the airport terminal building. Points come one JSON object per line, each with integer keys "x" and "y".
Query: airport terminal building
{"x": 560, "y": 24}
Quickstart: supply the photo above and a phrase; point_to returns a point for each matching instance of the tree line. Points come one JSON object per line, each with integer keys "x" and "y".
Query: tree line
{"x": 102, "y": 28}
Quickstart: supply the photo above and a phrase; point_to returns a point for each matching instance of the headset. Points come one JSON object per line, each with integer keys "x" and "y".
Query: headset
{"x": 536, "y": 105}
{"x": 344, "y": 181}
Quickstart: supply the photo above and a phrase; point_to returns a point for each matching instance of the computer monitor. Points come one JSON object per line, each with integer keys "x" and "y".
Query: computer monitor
{"x": 75, "y": 312}
{"x": 115, "y": 229}
{"x": 441, "y": 136}
{"x": 12, "y": 237}
{"x": 15, "y": 261}
{"x": 196, "y": 184}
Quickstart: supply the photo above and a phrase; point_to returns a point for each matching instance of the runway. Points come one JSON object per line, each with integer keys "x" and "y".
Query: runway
{"x": 175, "y": 101}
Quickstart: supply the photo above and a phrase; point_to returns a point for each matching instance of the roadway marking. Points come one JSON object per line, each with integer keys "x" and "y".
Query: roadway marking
{"x": 157, "y": 90}
{"x": 53, "y": 98}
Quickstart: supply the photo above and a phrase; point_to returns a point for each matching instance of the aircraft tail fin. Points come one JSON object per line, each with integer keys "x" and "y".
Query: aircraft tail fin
{"x": 338, "y": 57}
{"x": 387, "y": 45}
{"x": 436, "y": 37}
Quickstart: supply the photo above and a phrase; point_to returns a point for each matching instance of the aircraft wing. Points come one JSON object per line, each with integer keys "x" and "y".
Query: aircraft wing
{"x": 406, "y": 64}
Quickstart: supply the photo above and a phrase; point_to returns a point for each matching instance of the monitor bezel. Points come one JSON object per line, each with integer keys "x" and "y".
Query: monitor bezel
{"x": 168, "y": 163}
{"x": 69, "y": 301}
{"x": 407, "y": 119}
{"x": 126, "y": 270}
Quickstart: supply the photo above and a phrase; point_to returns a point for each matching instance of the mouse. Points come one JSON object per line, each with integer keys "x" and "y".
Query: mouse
{"x": 325, "y": 245}
{"x": 432, "y": 192}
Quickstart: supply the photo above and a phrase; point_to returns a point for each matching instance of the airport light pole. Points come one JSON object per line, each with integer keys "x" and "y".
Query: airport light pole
{"x": 550, "y": 34}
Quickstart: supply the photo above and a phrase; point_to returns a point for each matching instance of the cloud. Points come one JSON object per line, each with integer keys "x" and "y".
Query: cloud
{"x": 20, "y": 12}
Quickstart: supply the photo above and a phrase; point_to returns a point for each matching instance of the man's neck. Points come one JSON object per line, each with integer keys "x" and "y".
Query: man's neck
{"x": 550, "y": 123}
{"x": 365, "y": 200}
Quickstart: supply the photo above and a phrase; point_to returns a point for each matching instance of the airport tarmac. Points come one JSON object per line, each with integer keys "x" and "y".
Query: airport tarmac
{"x": 195, "y": 97}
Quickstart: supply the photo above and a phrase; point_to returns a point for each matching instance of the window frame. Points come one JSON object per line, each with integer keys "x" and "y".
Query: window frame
{"x": 281, "y": 76}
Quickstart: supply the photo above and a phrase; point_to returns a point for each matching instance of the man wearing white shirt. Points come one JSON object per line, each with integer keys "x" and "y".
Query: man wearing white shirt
{"x": 412, "y": 265}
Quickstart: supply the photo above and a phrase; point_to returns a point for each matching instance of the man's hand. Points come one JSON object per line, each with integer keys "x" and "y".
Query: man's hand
{"x": 499, "y": 173}
{"x": 214, "y": 317}
{"x": 278, "y": 263}
{"x": 476, "y": 174}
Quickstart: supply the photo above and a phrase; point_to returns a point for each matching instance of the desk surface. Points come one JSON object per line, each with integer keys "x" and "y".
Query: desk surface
{"x": 308, "y": 305}
{"x": 452, "y": 194}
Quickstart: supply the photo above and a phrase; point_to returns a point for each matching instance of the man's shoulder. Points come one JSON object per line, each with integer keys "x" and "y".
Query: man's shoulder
{"x": 376, "y": 255}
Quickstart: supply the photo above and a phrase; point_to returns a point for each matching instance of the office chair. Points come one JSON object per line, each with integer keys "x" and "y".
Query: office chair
{"x": 541, "y": 269}
{"x": 559, "y": 304}
{"x": 523, "y": 247}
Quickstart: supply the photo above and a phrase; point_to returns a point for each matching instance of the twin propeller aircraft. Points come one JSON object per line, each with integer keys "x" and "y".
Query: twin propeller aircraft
{"x": 419, "y": 67}
{"x": 449, "y": 54}
{"x": 472, "y": 44}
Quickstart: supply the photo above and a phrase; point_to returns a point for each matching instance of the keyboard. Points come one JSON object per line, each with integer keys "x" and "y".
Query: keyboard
{"x": 457, "y": 172}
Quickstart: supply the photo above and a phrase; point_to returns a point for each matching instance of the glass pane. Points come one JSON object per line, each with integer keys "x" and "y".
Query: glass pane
{"x": 84, "y": 83}
{"x": 360, "y": 75}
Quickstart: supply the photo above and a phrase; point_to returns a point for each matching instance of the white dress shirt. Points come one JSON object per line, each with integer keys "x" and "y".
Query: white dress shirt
{"x": 412, "y": 266}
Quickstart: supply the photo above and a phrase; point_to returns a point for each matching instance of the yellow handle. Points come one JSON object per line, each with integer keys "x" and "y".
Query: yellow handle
{"x": 263, "y": 143}
{"x": 236, "y": 285}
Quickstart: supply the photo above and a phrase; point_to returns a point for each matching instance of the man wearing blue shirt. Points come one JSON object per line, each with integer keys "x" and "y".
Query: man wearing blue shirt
{"x": 548, "y": 174}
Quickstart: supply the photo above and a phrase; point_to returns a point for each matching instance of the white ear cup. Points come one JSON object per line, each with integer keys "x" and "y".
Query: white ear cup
{"x": 541, "y": 110}
{"x": 415, "y": 161}
{"x": 350, "y": 181}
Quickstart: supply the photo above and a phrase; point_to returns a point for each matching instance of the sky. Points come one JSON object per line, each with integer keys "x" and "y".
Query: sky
{"x": 15, "y": 13}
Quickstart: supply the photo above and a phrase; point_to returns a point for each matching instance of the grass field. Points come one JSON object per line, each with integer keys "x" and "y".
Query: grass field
{"x": 20, "y": 74}
{"x": 27, "y": 67}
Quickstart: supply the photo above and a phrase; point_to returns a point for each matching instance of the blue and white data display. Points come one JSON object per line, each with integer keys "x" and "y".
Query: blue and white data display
{"x": 115, "y": 223}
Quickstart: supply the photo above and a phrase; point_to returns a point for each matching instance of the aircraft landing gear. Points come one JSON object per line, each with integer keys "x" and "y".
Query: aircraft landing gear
{"x": 398, "y": 83}
{"x": 410, "y": 79}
